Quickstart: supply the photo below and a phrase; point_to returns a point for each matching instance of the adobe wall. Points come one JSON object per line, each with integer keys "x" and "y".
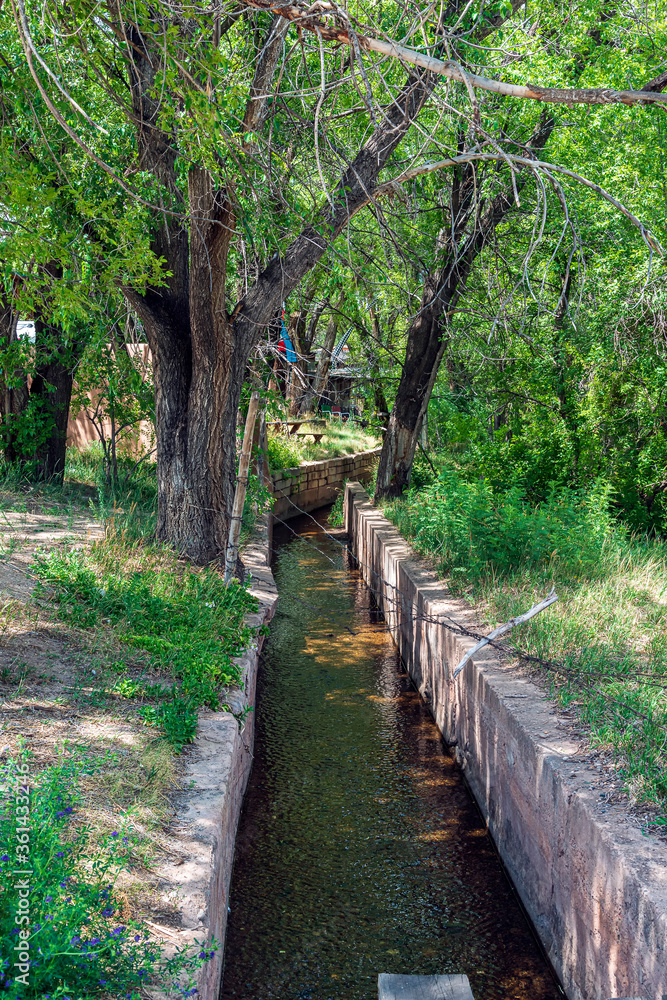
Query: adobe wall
{"x": 593, "y": 885}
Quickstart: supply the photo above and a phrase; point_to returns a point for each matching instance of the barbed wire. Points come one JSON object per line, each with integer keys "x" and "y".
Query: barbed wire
{"x": 510, "y": 650}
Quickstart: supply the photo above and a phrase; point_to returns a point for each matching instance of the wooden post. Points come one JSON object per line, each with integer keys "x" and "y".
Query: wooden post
{"x": 241, "y": 486}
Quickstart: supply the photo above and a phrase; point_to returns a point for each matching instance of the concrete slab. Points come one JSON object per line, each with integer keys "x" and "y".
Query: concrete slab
{"x": 392, "y": 987}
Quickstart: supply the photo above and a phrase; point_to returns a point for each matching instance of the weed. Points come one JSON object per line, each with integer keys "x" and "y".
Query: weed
{"x": 75, "y": 938}
{"x": 609, "y": 627}
{"x": 186, "y": 623}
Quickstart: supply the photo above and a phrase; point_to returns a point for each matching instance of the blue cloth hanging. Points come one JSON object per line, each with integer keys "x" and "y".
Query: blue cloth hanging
{"x": 290, "y": 353}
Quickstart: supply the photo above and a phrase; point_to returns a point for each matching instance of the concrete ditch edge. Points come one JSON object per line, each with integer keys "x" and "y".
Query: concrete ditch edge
{"x": 218, "y": 764}
{"x": 593, "y": 885}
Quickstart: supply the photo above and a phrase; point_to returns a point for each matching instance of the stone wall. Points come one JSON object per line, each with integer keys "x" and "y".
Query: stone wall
{"x": 594, "y": 886}
{"x": 318, "y": 483}
{"x": 196, "y": 880}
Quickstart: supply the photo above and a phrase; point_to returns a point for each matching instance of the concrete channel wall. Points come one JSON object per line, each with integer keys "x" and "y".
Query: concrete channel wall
{"x": 593, "y": 885}
{"x": 202, "y": 834}
{"x": 317, "y": 484}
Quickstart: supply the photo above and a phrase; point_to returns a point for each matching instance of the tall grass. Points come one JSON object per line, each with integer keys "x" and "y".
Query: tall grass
{"x": 608, "y": 630}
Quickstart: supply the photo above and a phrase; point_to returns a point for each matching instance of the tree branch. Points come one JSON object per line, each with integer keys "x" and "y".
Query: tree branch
{"x": 393, "y": 186}
{"x": 452, "y": 70}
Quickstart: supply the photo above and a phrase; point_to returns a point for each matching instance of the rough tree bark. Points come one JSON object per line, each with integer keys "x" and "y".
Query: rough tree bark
{"x": 200, "y": 351}
{"x": 428, "y": 335}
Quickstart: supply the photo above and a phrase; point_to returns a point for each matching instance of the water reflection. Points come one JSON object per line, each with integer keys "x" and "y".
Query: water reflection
{"x": 360, "y": 850}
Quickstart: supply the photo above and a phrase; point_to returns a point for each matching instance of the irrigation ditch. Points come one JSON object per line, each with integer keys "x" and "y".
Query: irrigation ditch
{"x": 351, "y": 862}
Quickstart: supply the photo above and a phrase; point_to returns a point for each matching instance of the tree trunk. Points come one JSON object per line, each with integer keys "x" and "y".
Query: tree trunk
{"x": 200, "y": 351}
{"x": 298, "y": 384}
{"x": 428, "y": 335}
{"x": 13, "y": 384}
{"x": 319, "y": 384}
{"x": 50, "y": 391}
{"x": 199, "y": 373}
{"x": 371, "y": 352}
{"x": 52, "y": 387}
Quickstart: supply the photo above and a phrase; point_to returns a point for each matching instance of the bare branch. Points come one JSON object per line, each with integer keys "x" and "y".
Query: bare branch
{"x": 393, "y": 186}
{"x": 502, "y": 629}
{"x": 452, "y": 70}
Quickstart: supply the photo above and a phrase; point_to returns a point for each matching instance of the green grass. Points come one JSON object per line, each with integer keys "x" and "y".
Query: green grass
{"x": 184, "y": 623}
{"x": 288, "y": 451}
{"x": 76, "y": 934}
{"x": 608, "y": 630}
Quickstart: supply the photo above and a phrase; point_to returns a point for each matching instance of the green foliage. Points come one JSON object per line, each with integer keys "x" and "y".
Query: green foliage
{"x": 472, "y": 530}
{"x": 115, "y": 387}
{"x": 78, "y": 943}
{"x": 176, "y": 718}
{"x": 130, "y": 503}
{"x": 283, "y": 452}
{"x": 607, "y": 634}
{"x": 188, "y": 624}
{"x": 336, "y": 519}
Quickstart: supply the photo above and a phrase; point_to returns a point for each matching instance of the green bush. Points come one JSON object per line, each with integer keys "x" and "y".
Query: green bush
{"x": 470, "y": 529}
{"x": 78, "y": 946}
{"x": 283, "y": 452}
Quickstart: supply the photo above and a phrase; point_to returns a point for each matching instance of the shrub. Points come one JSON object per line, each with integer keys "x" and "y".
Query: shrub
{"x": 79, "y": 942}
{"x": 470, "y": 529}
{"x": 283, "y": 452}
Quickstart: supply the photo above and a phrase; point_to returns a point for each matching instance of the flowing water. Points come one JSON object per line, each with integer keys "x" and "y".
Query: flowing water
{"x": 360, "y": 849}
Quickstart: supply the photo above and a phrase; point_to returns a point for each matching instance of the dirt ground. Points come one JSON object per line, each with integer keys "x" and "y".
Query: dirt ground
{"x": 56, "y": 691}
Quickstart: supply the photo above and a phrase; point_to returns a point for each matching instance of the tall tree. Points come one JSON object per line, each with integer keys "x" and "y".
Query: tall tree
{"x": 220, "y": 147}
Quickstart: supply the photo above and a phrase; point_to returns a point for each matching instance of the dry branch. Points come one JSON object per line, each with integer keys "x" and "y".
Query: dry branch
{"x": 519, "y": 620}
{"x": 448, "y": 68}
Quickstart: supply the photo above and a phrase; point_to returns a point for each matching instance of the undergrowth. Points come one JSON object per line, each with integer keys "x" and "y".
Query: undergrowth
{"x": 606, "y": 635}
{"x": 184, "y": 623}
{"x": 70, "y": 936}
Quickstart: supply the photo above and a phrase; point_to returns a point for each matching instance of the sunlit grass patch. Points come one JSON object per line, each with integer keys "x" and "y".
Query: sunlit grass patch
{"x": 183, "y": 623}
{"x": 286, "y": 451}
